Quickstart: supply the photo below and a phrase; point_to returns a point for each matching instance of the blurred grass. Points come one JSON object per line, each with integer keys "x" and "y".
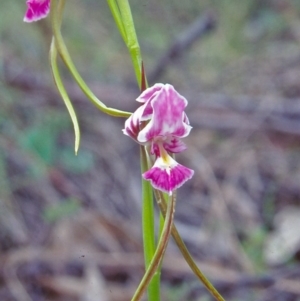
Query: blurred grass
{"x": 36, "y": 134}
{"x": 245, "y": 29}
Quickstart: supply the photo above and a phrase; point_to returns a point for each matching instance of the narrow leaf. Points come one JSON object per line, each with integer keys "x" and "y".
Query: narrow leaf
{"x": 60, "y": 86}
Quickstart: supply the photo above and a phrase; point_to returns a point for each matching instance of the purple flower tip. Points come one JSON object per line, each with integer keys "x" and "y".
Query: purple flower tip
{"x": 36, "y": 10}
{"x": 168, "y": 179}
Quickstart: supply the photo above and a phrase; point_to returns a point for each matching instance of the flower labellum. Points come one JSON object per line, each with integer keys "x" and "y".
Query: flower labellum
{"x": 36, "y": 10}
{"x": 162, "y": 111}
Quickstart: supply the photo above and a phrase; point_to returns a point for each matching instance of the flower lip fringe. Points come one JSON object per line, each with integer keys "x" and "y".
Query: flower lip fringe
{"x": 36, "y": 10}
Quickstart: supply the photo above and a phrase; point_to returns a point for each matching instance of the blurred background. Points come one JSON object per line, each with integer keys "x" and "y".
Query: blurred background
{"x": 70, "y": 226}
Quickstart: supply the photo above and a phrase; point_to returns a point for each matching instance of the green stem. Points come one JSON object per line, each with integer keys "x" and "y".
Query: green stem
{"x": 56, "y": 10}
{"x": 122, "y": 14}
{"x": 57, "y": 79}
{"x": 159, "y": 252}
{"x": 117, "y": 17}
{"x": 184, "y": 251}
{"x": 132, "y": 41}
{"x": 60, "y": 86}
{"x": 63, "y": 51}
{"x": 149, "y": 229}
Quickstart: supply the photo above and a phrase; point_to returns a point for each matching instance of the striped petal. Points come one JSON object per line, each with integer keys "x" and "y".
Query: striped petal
{"x": 168, "y": 175}
{"x": 132, "y": 124}
{"x": 168, "y": 117}
{"x": 149, "y": 93}
{"x": 36, "y": 10}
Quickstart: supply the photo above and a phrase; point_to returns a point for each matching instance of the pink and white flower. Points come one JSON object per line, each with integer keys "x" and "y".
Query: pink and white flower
{"x": 162, "y": 113}
{"x": 36, "y": 10}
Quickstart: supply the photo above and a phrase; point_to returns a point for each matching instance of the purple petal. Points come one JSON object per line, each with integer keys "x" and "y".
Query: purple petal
{"x": 147, "y": 111}
{"x": 168, "y": 118}
{"x": 149, "y": 93}
{"x": 146, "y": 98}
{"x": 174, "y": 145}
{"x": 36, "y": 10}
{"x": 167, "y": 178}
{"x": 185, "y": 119}
{"x": 132, "y": 124}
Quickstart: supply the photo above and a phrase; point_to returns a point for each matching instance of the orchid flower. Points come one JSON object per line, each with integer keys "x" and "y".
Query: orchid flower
{"x": 162, "y": 111}
{"x": 36, "y": 10}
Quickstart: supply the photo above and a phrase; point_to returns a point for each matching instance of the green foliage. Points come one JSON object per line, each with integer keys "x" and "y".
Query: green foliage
{"x": 40, "y": 138}
{"x": 254, "y": 246}
{"x": 77, "y": 164}
{"x": 68, "y": 207}
{"x": 41, "y": 141}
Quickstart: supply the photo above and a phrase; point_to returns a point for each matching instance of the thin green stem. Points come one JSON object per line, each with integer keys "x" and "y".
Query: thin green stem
{"x": 60, "y": 11}
{"x": 149, "y": 229}
{"x": 117, "y": 17}
{"x": 161, "y": 227}
{"x": 132, "y": 41}
{"x": 159, "y": 252}
{"x": 63, "y": 51}
{"x": 56, "y": 75}
{"x": 122, "y": 14}
{"x": 60, "y": 86}
{"x": 184, "y": 251}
